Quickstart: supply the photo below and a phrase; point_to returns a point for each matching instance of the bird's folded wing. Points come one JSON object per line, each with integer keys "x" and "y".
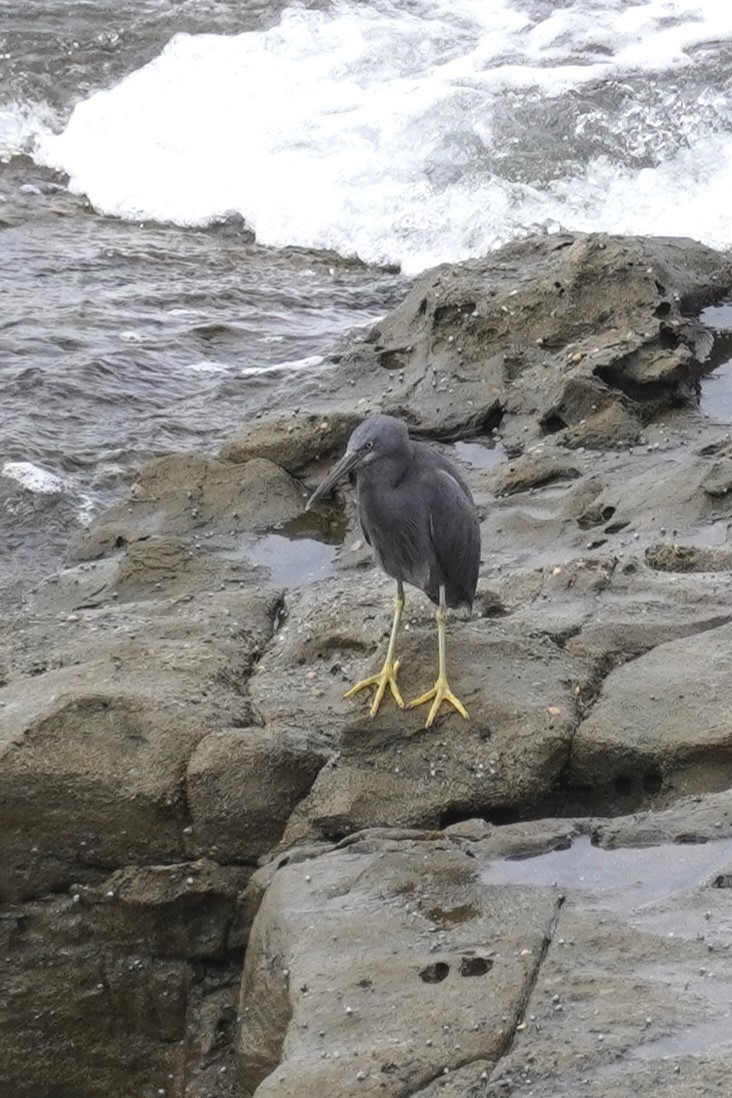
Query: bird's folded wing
{"x": 455, "y": 534}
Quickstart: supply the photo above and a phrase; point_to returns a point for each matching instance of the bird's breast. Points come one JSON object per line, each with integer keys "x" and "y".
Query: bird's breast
{"x": 395, "y": 527}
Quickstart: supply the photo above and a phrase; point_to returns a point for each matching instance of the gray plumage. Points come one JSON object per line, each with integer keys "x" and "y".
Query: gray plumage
{"x": 415, "y": 509}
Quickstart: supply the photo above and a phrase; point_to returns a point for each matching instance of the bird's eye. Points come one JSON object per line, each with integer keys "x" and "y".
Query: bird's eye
{"x": 370, "y": 444}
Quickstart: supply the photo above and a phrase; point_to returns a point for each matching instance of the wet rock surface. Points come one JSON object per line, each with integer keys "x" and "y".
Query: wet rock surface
{"x": 427, "y": 965}
{"x": 180, "y": 775}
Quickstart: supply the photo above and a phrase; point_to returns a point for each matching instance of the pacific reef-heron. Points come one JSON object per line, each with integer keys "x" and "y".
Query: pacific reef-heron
{"x": 417, "y": 514}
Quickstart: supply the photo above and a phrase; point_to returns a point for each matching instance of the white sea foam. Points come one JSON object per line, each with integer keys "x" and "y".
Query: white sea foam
{"x": 22, "y": 125}
{"x": 388, "y": 129}
{"x": 33, "y": 477}
{"x": 310, "y": 362}
{"x": 206, "y": 367}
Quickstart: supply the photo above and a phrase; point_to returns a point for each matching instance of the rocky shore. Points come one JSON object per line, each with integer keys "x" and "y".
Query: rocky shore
{"x": 218, "y": 878}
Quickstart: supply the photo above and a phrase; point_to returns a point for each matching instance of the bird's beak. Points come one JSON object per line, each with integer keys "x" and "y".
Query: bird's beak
{"x": 349, "y": 461}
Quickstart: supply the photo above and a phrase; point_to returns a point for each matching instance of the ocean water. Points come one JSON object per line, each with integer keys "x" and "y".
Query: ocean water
{"x": 414, "y": 132}
{"x": 143, "y": 143}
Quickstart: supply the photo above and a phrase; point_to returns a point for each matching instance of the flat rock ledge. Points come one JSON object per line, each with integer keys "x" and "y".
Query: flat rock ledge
{"x": 406, "y": 964}
{"x": 218, "y": 879}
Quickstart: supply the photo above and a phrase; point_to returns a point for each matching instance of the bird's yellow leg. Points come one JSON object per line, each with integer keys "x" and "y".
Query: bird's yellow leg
{"x": 387, "y": 675}
{"x": 441, "y": 691}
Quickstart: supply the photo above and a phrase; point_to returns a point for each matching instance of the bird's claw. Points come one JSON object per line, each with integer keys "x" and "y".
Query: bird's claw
{"x": 441, "y": 692}
{"x": 386, "y": 677}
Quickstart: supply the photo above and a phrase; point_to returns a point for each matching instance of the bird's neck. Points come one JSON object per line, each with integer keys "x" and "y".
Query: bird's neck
{"x": 388, "y": 470}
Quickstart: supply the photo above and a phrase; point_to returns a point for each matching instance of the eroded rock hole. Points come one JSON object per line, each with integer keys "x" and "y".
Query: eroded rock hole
{"x": 668, "y": 338}
{"x": 435, "y": 974}
{"x": 493, "y": 418}
{"x": 662, "y": 309}
{"x": 504, "y": 815}
{"x": 652, "y": 781}
{"x": 333, "y": 832}
{"x": 394, "y": 359}
{"x": 224, "y": 1032}
{"x": 475, "y": 966}
{"x": 623, "y": 785}
{"x": 455, "y": 816}
{"x": 552, "y": 423}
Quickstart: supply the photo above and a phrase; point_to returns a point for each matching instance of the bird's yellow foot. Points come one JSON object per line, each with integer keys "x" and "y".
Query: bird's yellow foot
{"x": 441, "y": 692}
{"x": 386, "y": 677}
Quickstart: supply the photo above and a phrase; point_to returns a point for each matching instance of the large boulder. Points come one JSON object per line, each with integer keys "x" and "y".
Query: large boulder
{"x": 586, "y": 335}
{"x": 384, "y": 967}
{"x": 242, "y": 786}
{"x": 429, "y": 964}
{"x": 520, "y": 692}
{"x": 195, "y": 497}
{"x": 664, "y": 717}
{"x": 291, "y": 439}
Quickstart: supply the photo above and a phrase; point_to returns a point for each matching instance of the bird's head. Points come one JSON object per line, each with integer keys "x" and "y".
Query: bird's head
{"x": 377, "y": 438}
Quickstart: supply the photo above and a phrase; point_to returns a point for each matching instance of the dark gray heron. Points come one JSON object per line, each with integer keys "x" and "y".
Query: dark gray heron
{"x": 417, "y": 514}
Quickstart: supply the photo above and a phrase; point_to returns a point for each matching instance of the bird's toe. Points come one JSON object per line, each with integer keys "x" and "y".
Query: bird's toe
{"x": 439, "y": 694}
{"x": 385, "y": 678}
